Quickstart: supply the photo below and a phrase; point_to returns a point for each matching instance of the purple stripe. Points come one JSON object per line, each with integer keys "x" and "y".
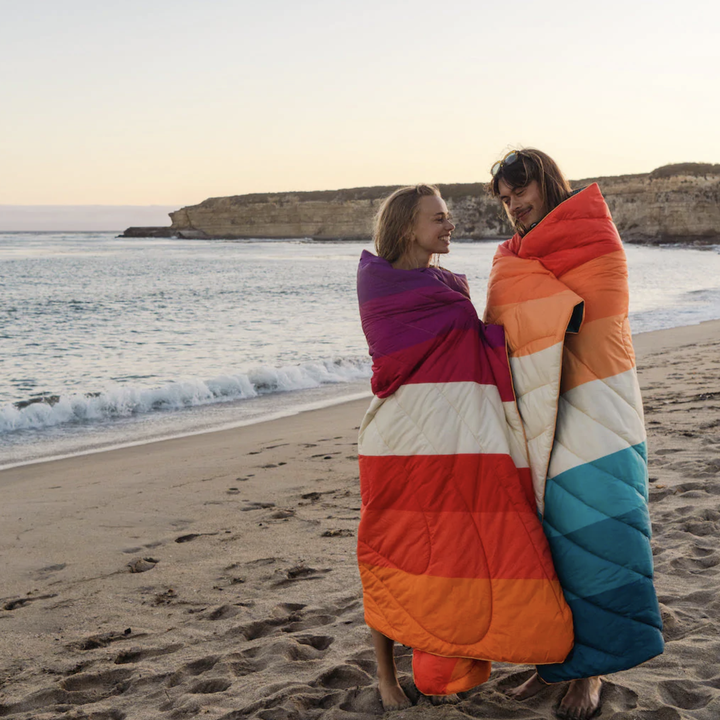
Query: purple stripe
{"x": 377, "y": 278}
{"x": 495, "y": 336}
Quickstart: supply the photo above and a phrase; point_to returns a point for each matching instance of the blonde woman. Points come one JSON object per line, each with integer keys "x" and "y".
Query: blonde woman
{"x": 452, "y": 556}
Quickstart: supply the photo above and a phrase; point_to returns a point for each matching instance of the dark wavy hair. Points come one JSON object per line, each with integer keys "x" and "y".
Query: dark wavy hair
{"x": 532, "y": 165}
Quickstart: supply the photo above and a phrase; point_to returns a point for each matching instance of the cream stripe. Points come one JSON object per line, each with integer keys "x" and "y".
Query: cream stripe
{"x": 443, "y": 419}
{"x": 597, "y": 419}
{"x": 536, "y": 379}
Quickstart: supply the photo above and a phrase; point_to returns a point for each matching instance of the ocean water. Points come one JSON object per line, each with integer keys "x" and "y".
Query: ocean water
{"x": 131, "y": 340}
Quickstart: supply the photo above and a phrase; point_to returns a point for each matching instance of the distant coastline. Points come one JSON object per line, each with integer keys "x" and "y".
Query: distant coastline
{"x": 673, "y": 204}
{"x": 79, "y": 218}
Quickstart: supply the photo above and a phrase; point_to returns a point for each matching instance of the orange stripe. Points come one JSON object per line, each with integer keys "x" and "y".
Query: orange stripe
{"x": 601, "y": 350}
{"x": 535, "y": 324}
{"x": 520, "y": 621}
{"x": 603, "y": 285}
{"x": 492, "y": 545}
{"x": 515, "y": 279}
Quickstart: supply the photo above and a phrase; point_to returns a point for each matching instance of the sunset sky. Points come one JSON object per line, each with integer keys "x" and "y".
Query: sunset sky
{"x": 171, "y": 102}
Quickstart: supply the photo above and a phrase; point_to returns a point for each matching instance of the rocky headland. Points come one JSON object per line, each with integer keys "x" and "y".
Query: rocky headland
{"x": 673, "y": 204}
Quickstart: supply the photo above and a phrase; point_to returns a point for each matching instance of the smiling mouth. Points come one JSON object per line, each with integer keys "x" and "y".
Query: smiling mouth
{"x": 522, "y": 214}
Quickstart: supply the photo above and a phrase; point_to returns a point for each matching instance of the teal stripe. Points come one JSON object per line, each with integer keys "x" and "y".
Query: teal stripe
{"x": 611, "y": 486}
{"x": 606, "y": 556}
{"x": 598, "y": 527}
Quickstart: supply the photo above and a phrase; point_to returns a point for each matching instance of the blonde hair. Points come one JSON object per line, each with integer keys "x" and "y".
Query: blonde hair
{"x": 395, "y": 219}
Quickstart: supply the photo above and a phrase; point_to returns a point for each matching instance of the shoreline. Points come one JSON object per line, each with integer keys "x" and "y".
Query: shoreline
{"x": 216, "y": 574}
{"x": 276, "y": 415}
{"x": 639, "y": 340}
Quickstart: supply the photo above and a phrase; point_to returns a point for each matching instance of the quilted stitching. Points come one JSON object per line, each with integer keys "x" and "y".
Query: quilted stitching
{"x": 581, "y": 231}
{"x": 395, "y": 364}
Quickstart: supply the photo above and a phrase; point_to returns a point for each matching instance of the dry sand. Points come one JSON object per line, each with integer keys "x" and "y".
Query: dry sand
{"x": 246, "y": 599}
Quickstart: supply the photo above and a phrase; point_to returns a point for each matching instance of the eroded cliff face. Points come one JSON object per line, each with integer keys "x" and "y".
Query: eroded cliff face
{"x": 672, "y": 204}
{"x": 339, "y": 214}
{"x": 665, "y": 207}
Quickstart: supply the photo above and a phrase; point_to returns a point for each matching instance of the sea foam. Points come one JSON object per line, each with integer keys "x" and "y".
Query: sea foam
{"x": 120, "y": 400}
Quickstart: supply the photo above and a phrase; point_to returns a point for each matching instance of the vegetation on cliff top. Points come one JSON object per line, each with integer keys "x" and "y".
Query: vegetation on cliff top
{"x": 693, "y": 169}
{"x": 450, "y": 190}
{"x": 376, "y": 192}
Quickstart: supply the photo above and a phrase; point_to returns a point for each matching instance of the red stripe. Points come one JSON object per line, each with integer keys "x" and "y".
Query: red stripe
{"x": 459, "y": 356}
{"x": 456, "y": 516}
{"x": 445, "y": 483}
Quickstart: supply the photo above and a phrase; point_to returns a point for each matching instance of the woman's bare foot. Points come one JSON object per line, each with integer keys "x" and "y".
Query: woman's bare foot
{"x": 529, "y": 688}
{"x": 393, "y": 697}
{"x": 391, "y": 694}
{"x": 582, "y": 700}
{"x": 453, "y": 699}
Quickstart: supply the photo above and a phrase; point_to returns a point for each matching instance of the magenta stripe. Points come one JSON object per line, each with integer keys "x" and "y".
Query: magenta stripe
{"x": 459, "y": 356}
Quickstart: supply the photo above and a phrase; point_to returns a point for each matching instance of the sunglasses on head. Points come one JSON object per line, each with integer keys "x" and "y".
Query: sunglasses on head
{"x": 509, "y": 159}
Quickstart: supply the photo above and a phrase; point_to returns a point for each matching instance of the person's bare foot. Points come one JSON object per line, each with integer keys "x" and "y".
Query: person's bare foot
{"x": 453, "y": 699}
{"x": 582, "y": 700}
{"x": 392, "y": 696}
{"x": 529, "y": 688}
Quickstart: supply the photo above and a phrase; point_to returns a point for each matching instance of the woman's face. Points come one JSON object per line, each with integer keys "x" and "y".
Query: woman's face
{"x": 432, "y": 229}
{"x": 525, "y": 206}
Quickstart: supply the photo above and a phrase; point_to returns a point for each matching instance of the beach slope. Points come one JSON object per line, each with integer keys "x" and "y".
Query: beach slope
{"x": 215, "y": 575}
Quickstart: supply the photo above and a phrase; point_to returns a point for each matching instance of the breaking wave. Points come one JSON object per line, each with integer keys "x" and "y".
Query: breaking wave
{"x": 121, "y": 401}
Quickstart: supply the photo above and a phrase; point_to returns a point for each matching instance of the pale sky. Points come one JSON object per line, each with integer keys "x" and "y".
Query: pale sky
{"x": 172, "y": 101}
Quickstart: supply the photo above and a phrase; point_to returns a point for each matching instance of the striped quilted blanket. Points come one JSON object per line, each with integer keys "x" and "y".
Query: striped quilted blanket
{"x": 561, "y": 293}
{"x": 452, "y": 556}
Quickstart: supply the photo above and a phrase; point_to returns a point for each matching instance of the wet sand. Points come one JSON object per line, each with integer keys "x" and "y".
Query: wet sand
{"x": 215, "y": 575}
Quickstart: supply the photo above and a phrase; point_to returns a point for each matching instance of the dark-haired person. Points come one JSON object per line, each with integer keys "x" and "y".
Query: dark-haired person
{"x": 559, "y": 287}
{"x": 453, "y": 560}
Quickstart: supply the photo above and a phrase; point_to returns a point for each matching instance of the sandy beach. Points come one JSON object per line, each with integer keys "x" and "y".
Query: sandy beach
{"x": 215, "y": 575}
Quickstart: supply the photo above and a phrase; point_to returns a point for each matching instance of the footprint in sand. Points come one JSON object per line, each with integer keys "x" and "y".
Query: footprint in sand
{"x": 205, "y": 687}
{"x": 343, "y": 677}
{"x": 223, "y": 612}
{"x": 282, "y": 514}
{"x": 80, "y": 690}
{"x": 705, "y": 488}
{"x": 140, "y": 565}
{"x": 105, "y": 680}
{"x": 134, "y": 655}
{"x": 198, "y": 667}
{"x": 299, "y": 572}
{"x": 325, "y": 456}
{"x": 257, "y": 506}
{"x": 684, "y": 694}
{"x": 312, "y": 497}
{"x": 193, "y": 536}
{"x": 50, "y": 569}
{"x": 102, "y": 640}
{"x": 338, "y": 533}
{"x": 365, "y": 660}
{"x": 164, "y": 598}
{"x": 16, "y": 603}
{"x": 702, "y": 528}
{"x": 290, "y": 701}
{"x": 304, "y": 649}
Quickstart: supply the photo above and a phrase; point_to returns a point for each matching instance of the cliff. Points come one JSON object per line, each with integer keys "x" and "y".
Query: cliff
{"x": 328, "y": 215}
{"x": 675, "y": 203}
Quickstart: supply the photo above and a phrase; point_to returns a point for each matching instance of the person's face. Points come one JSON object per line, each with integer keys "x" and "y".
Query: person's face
{"x": 432, "y": 228}
{"x": 524, "y": 205}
